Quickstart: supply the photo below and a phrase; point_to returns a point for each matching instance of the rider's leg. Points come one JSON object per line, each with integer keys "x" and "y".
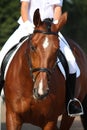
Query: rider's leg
{"x": 13, "y": 40}
{"x": 71, "y": 81}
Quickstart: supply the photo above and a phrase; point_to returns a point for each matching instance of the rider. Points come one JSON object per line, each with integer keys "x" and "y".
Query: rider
{"x": 48, "y": 9}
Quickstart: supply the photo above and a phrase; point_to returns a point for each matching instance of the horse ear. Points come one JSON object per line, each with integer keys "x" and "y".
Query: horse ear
{"x": 36, "y": 18}
{"x": 62, "y": 21}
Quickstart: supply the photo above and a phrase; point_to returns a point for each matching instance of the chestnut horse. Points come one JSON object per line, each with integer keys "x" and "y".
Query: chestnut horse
{"x": 35, "y": 90}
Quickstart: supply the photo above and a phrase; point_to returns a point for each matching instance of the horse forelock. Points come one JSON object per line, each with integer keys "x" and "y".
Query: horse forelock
{"x": 48, "y": 23}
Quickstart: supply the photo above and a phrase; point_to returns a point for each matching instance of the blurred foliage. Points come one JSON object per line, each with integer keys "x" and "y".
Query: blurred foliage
{"x": 76, "y": 27}
{"x": 9, "y": 14}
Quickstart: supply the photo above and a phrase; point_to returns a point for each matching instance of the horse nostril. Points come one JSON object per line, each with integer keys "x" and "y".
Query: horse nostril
{"x": 47, "y": 90}
{"x": 35, "y": 91}
{"x": 36, "y": 95}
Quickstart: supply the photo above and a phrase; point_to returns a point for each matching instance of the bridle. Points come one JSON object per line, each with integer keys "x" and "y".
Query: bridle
{"x": 48, "y": 33}
{"x": 38, "y": 70}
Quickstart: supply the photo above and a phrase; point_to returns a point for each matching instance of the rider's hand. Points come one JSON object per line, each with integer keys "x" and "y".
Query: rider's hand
{"x": 55, "y": 21}
{"x": 28, "y": 26}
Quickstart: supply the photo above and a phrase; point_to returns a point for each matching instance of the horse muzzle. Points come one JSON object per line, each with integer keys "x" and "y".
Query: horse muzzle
{"x": 39, "y": 94}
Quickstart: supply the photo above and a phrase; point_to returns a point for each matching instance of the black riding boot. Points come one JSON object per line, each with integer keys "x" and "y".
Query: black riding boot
{"x": 74, "y": 106}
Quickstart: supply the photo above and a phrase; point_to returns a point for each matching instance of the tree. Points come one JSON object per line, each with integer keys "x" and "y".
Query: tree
{"x": 9, "y": 13}
{"x": 76, "y": 27}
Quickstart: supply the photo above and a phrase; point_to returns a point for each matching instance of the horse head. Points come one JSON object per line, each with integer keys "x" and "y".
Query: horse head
{"x": 44, "y": 46}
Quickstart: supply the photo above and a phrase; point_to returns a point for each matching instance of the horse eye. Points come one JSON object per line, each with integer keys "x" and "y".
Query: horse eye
{"x": 33, "y": 48}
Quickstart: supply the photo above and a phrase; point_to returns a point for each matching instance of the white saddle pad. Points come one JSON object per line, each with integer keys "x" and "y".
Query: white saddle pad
{"x": 13, "y": 54}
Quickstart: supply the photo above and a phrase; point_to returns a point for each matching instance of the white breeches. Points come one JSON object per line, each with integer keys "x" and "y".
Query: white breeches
{"x": 13, "y": 40}
{"x": 64, "y": 47}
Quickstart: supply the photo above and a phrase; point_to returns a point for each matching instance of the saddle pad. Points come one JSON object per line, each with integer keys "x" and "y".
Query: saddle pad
{"x": 13, "y": 54}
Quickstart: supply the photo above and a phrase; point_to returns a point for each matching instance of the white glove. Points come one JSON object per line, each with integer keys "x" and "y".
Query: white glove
{"x": 28, "y": 27}
{"x": 55, "y": 21}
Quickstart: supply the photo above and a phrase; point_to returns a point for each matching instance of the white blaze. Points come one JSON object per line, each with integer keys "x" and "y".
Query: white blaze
{"x": 46, "y": 43}
{"x": 40, "y": 90}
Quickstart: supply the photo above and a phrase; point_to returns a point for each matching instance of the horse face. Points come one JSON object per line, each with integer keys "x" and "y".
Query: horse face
{"x": 44, "y": 46}
{"x": 43, "y": 55}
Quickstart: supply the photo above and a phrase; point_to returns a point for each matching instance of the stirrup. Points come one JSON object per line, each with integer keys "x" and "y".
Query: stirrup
{"x": 75, "y": 114}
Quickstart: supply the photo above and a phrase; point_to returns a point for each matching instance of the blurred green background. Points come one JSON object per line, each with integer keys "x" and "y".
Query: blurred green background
{"x": 76, "y": 27}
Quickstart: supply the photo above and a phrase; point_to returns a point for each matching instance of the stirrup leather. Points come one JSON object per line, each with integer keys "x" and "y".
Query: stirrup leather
{"x": 76, "y": 114}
